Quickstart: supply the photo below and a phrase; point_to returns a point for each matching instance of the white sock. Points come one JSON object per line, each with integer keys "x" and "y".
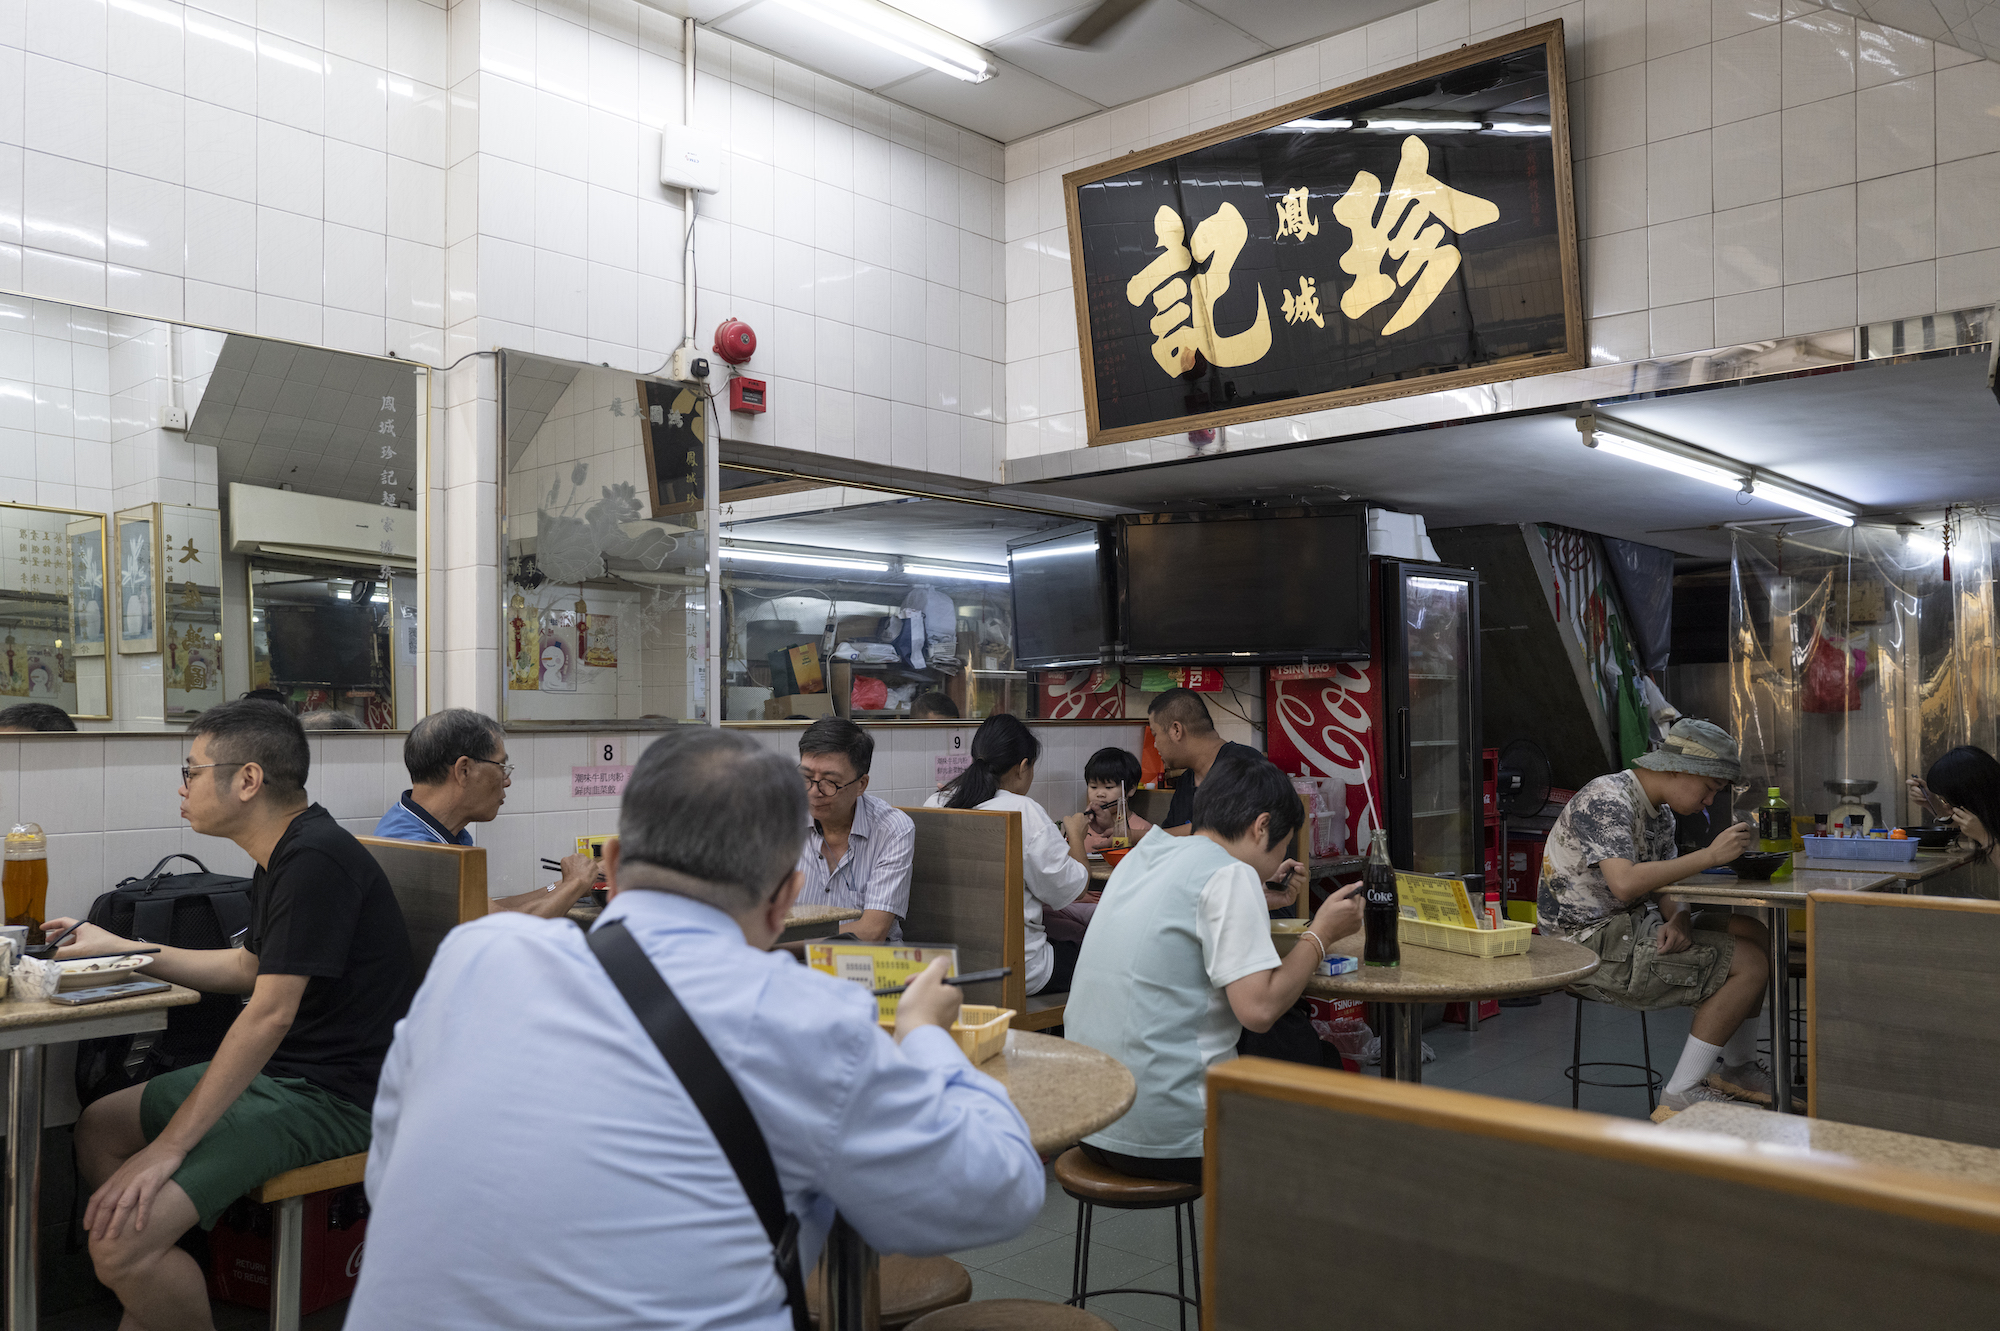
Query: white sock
{"x": 1697, "y": 1061}
{"x": 1742, "y": 1046}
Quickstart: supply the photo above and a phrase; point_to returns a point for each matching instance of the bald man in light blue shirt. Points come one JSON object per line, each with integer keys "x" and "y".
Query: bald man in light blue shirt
{"x": 536, "y": 1164}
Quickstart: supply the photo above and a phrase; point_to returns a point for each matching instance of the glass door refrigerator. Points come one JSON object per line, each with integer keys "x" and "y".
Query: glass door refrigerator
{"x": 1427, "y": 652}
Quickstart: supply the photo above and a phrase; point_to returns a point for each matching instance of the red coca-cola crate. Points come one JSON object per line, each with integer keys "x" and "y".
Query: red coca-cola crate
{"x": 336, "y": 1225}
{"x": 1454, "y": 1013}
{"x": 1524, "y": 866}
{"x": 1490, "y": 848}
{"x": 1489, "y": 770}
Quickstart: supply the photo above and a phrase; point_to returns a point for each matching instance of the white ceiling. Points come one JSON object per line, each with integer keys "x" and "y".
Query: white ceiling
{"x": 910, "y": 528}
{"x": 1167, "y": 44}
{"x": 280, "y": 414}
{"x": 1890, "y": 438}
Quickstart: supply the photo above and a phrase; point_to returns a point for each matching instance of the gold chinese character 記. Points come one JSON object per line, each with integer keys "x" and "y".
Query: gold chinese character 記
{"x": 1293, "y": 220}
{"x": 1413, "y": 219}
{"x": 1305, "y": 305}
{"x": 1185, "y": 322}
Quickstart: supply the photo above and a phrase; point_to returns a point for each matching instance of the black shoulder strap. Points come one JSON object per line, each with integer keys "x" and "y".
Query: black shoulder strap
{"x": 232, "y": 912}
{"x": 708, "y": 1084}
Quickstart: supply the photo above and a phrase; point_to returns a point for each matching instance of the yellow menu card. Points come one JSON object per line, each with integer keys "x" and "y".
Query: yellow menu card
{"x": 878, "y": 965}
{"x": 1435, "y": 900}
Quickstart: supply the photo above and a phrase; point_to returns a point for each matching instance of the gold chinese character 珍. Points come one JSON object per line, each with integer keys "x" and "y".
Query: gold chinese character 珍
{"x": 1293, "y": 220}
{"x": 1185, "y": 323}
{"x": 1413, "y": 218}
{"x": 1305, "y": 305}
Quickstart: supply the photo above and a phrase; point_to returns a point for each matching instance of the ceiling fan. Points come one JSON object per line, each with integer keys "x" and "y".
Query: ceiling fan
{"x": 1098, "y": 24}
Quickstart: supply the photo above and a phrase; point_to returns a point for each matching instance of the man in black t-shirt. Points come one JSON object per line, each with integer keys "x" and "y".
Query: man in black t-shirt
{"x": 1184, "y": 733}
{"x": 327, "y": 968}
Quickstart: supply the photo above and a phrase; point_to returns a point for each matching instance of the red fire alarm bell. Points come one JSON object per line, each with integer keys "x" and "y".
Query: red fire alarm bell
{"x": 735, "y": 341}
{"x": 746, "y": 394}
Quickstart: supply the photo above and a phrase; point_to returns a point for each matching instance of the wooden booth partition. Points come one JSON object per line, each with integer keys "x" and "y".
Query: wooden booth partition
{"x": 966, "y": 886}
{"x": 1606, "y": 1222}
{"x": 1900, "y": 997}
{"x": 438, "y": 887}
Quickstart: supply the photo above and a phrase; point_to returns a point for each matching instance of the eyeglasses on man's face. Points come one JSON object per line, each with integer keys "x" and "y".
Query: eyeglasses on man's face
{"x": 189, "y": 769}
{"x": 506, "y": 769}
{"x": 825, "y": 786}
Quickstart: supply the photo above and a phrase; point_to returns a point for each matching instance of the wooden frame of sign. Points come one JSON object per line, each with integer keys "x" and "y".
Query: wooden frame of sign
{"x": 1164, "y": 354}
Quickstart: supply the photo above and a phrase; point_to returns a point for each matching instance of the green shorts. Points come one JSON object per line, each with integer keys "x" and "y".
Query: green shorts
{"x": 278, "y": 1123}
{"x": 1632, "y": 973}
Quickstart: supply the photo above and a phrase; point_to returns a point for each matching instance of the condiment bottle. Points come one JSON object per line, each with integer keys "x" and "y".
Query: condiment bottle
{"x": 25, "y": 880}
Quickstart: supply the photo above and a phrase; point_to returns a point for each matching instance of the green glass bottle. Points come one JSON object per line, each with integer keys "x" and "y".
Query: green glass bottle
{"x": 1774, "y": 830}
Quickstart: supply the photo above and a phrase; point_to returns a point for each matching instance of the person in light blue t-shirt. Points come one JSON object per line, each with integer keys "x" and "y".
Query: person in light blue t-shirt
{"x": 459, "y": 775}
{"x": 1188, "y": 913}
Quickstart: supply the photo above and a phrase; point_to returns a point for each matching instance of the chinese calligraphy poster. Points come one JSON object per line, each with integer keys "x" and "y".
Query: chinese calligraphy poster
{"x": 1408, "y": 234}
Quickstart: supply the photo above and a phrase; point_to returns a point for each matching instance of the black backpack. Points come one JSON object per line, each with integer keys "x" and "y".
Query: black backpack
{"x": 193, "y": 910}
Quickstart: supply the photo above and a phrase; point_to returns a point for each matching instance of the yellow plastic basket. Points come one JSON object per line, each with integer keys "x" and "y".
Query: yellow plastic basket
{"x": 1510, "y": 939}
{"x": 980, "y": 1031}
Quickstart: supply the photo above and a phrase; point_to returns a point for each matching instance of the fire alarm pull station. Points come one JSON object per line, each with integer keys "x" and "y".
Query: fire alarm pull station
{"x": 746, "y": 395}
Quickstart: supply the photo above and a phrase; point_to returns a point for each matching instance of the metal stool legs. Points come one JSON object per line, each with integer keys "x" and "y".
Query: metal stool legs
{"x": 1652, "y": 1081}
{"x": 288, "y": 1229}
{"x": 1079, "y": 1281}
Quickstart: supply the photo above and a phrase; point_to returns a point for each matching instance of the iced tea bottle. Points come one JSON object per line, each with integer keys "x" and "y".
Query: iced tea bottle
{"x": 25, "y": 880}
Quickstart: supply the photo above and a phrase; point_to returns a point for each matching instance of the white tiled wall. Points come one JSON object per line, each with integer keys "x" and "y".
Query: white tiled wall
{"x": 1745, "y": 170}
{"x": 860, "y": 239}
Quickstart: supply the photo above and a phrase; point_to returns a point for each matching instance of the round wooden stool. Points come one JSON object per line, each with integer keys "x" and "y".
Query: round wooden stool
{"x": 911, "y": 1288}
{"x": 1011, "y": 1315}
{"x": 1093, "y": 1186}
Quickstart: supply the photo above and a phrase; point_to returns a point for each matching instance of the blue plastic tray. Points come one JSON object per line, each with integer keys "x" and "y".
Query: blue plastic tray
{"x": 1861, "y": 848}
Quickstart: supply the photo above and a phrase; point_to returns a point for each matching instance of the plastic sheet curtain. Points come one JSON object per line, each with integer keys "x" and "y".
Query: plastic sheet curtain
{"x": 1853, "y": 658}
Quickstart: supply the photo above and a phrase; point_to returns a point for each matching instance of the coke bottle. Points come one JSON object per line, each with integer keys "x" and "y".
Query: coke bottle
{"x": 1380, "y": 909}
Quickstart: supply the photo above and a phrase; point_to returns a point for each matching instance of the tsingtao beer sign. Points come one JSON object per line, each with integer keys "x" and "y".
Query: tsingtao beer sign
{"x": 1406, "y": 234}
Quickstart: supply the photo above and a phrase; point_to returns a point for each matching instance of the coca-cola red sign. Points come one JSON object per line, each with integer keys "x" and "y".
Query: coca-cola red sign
{"x": 1322, "y": 721}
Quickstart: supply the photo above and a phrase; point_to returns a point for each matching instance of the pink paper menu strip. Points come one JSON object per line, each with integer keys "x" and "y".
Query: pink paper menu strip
{"x": 585, "y": 782}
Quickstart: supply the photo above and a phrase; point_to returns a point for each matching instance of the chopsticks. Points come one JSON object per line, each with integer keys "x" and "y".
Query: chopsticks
{"x": 977, "y": 977}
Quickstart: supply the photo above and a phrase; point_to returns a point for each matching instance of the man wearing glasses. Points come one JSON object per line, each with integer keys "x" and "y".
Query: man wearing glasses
{"x": 858, "y": 849}
{"x": 325, "y": 972}
{"x": 459, "y": 775}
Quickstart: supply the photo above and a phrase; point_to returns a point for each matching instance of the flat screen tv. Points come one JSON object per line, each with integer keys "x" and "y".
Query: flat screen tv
{"x": 323, "y": 642}
{"x": 1275, "y": 585}
{"x": 1063, "y": 587}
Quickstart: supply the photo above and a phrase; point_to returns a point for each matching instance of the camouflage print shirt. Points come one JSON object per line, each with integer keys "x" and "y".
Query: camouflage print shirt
{"x": 1606, "y": 820}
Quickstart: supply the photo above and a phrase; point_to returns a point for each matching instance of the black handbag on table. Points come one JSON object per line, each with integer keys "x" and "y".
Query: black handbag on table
{"x": 708, "y": 1084}
{"x": 192, "y": 910}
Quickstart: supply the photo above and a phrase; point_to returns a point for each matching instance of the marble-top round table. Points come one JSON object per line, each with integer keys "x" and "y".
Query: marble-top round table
{"x": 1430, "y": 975}
{"x": 1064, "y": 1090}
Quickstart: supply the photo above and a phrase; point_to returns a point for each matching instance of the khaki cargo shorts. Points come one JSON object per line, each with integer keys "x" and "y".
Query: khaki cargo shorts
{"x": 1633, "y": 974}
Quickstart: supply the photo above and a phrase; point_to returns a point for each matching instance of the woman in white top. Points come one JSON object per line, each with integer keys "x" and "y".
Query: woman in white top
{"x": 1052, "y": 859}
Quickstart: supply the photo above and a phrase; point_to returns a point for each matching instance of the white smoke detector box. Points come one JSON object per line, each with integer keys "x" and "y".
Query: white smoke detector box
{"x": 690, "y": 159}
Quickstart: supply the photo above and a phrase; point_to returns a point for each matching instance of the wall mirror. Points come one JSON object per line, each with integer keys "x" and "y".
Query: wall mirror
{"x": 872, "y": 605}
{"x": 154, "y": 476}
{"x": 52, "y": 590}
{"x": 605, "y": 573}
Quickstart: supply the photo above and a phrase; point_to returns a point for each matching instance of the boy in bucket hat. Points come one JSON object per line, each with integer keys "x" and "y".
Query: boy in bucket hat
{"x": 1611, "y": 849}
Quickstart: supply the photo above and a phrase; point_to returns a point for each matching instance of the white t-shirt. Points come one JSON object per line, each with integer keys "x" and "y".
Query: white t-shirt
{"x": 1235, "y": 929}
{"x": 1052, "y": 876}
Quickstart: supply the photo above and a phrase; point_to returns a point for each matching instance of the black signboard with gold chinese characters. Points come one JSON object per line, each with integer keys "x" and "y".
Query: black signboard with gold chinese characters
{"x": 1407, "y": 234}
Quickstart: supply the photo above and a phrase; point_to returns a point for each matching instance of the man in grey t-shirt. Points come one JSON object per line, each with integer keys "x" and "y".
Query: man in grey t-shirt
{"x": 1609, "y": 853}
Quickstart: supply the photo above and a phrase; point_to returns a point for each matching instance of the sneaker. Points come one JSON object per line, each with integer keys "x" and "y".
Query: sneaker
{"x": 1750, "y": 1081}
{"x": 1674, "y": 1101}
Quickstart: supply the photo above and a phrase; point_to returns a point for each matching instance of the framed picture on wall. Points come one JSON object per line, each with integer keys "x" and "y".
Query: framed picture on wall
{"x": 1411, "y": 233}
{"x": 136, "y": 539}
{"x": 88, "y": 626}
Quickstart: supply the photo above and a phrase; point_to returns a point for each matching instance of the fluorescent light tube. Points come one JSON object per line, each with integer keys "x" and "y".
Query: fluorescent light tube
{"x": 1055, "y": 551}
{"x": 1788, "y": 498}
{"x": 803, "y": 561}
{"x": 1659, "y": 457}
{"x": 905, "y": 34}
{"x": 962, "y": 574}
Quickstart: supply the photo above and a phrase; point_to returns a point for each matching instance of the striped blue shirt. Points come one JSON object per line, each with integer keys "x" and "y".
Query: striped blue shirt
{"x": 874, "y": 874}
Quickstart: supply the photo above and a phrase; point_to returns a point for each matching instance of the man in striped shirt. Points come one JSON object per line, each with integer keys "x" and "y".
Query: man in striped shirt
{"x": 858, "y": 849}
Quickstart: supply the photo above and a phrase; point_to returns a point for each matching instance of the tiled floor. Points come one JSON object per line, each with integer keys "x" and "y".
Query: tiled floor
{"x": 1520, "y": 1055}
